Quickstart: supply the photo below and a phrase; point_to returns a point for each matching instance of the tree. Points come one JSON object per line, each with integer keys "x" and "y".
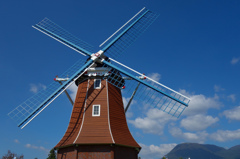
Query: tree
{"x": 52, "y": 154}
{"x": 11, "y": 155}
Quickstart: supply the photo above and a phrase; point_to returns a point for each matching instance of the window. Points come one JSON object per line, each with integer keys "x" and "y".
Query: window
{"x": 96, "y": 110}
{"x": 97, "y": 83}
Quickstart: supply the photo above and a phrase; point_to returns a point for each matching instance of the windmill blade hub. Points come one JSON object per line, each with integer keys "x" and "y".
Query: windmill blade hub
{"x": 97, "y": 55}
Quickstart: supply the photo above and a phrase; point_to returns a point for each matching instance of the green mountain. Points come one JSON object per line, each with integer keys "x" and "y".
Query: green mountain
{"x": 200, "y": 151}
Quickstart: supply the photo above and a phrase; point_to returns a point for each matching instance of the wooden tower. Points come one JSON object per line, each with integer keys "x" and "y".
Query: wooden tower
{"x": 98, "y": 127}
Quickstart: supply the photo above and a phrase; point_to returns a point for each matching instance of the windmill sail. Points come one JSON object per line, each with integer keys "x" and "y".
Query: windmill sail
{"x": 129, "y": 33}
{"x": 29, "y": 109}
{"x": 56, "y": 32}
{"x": 150, "y": 92}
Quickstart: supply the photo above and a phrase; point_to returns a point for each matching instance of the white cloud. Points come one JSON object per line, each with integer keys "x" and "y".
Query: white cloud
{"x": 198, "y": 122}
{"x": 17, "y": 141}
{"x": 129, "y": 114}
{"x": 41, "y": 148}
{"x": 153, "y": 151}
{"x": 155, "y": 76}
{"x": 196, "y": 119}
{"x": 154, "y": 122}
{"x": 198, "y": 137}
{"x": 235, "y": 60}
{"x": 218, "y": 88}
{"x": 232, "y": 97}
{"x": 225, "y": 135}
{"x": 36, "y": 87}
{"x": 233, "y": 114}
{"x": 148, "y": 125}
{"x": 200, "y": 104}
{"x": 126, "y": 100}
{"x": 73, "y": 91}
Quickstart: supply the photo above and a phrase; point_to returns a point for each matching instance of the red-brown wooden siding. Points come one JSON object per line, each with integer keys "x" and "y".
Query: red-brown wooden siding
{"x": 96, "y": 129}
{"x": 76, "y": 117}
{"x": 118, "y": 123}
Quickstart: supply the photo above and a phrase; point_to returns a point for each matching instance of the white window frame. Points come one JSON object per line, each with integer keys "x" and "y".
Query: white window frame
{"x": 99, "y": 84}
{"x": 98, "y": 105}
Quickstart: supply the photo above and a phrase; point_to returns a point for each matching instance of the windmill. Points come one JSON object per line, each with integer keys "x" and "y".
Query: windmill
{"x": 98, "y": 127}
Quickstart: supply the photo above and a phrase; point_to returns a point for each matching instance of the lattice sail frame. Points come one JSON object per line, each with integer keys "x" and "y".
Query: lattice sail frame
{"x": 130, "y": 31}
{"x": 56, "y": 32}
{"x": 150, "y": 92}
{"x": 29, "y": 109}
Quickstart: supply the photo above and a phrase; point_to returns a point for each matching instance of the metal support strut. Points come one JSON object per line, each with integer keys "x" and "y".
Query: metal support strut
{"x": 132, "y": 97}
{"x": 59, "y": 80}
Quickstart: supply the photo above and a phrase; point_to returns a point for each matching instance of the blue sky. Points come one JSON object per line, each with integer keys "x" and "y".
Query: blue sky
{"x": 193, "y": 47}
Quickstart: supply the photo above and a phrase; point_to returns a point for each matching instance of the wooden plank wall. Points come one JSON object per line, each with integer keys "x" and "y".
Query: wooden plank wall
{"x": 118, "y": 123}
{"x": 96, "y": 128}
{"x": 76, "y": 117}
